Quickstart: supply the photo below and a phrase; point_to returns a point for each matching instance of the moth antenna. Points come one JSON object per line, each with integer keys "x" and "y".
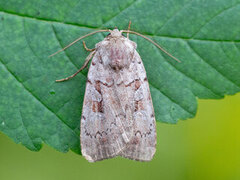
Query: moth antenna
{"x": 129, "y": 25}
{"x": 150, "y": 40}
{"x": 89, "y": 34}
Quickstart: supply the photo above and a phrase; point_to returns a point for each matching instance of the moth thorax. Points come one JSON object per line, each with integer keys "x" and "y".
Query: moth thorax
{"x": 117, "y": 64}
{"x": 119, "y": 58}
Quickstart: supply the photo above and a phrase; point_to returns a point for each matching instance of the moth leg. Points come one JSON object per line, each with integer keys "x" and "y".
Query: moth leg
{"x": 129, "y": 28}
{"x": 84, "y": 45}
{"x": 89, "y": 57}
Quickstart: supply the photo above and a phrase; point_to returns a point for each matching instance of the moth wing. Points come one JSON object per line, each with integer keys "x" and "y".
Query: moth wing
{"x": 106, "y": 123}
{"x": 142, "y": 145}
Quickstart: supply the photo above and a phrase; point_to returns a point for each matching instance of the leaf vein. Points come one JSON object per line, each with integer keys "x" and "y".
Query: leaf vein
{"x": 35, "y": 97}
{"x": 171, "y": 99}
{"x": 191, "y": 78}
{"x": 26, "y": 130}
{"x": 58, "y": 40}
{"x": 214, "y": 16}
{"x": 130, "y": 5}
{"x": 238, "y": 49}
{"x": 174, "y": 15}
{"x": 214, "y": 68}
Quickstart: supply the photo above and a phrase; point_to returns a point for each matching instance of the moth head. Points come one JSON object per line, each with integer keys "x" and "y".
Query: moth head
{"x": 115, "y": 33}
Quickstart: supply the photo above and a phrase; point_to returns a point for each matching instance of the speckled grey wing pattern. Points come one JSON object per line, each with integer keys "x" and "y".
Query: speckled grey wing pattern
{"x": 106, "y": 124}
{"x": 117, "y": 116}
{"x": 142, "y": 145}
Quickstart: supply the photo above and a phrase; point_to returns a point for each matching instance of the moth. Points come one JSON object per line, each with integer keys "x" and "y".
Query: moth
{"x": 117, "y": 115}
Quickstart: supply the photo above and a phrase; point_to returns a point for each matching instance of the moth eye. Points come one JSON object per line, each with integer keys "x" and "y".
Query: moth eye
{"x": 108, "y": 34}
{"x": 123, "y": 35}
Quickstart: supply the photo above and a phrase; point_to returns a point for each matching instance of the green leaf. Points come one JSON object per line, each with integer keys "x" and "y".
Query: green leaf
{"x": 203, "y": 34}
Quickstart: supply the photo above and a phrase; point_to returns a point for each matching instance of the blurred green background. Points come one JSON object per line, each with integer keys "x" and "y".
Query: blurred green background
{"x": 206, "y": 147}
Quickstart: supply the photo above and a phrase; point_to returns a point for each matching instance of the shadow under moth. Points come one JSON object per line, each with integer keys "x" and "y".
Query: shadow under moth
{"x": 117, "y": 115}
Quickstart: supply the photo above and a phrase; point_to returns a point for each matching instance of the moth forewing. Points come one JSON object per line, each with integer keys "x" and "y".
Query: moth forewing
{"x": 142, "y": 146}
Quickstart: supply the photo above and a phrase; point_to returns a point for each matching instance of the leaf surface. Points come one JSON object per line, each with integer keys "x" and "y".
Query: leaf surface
{"x": 204, "y": 35}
